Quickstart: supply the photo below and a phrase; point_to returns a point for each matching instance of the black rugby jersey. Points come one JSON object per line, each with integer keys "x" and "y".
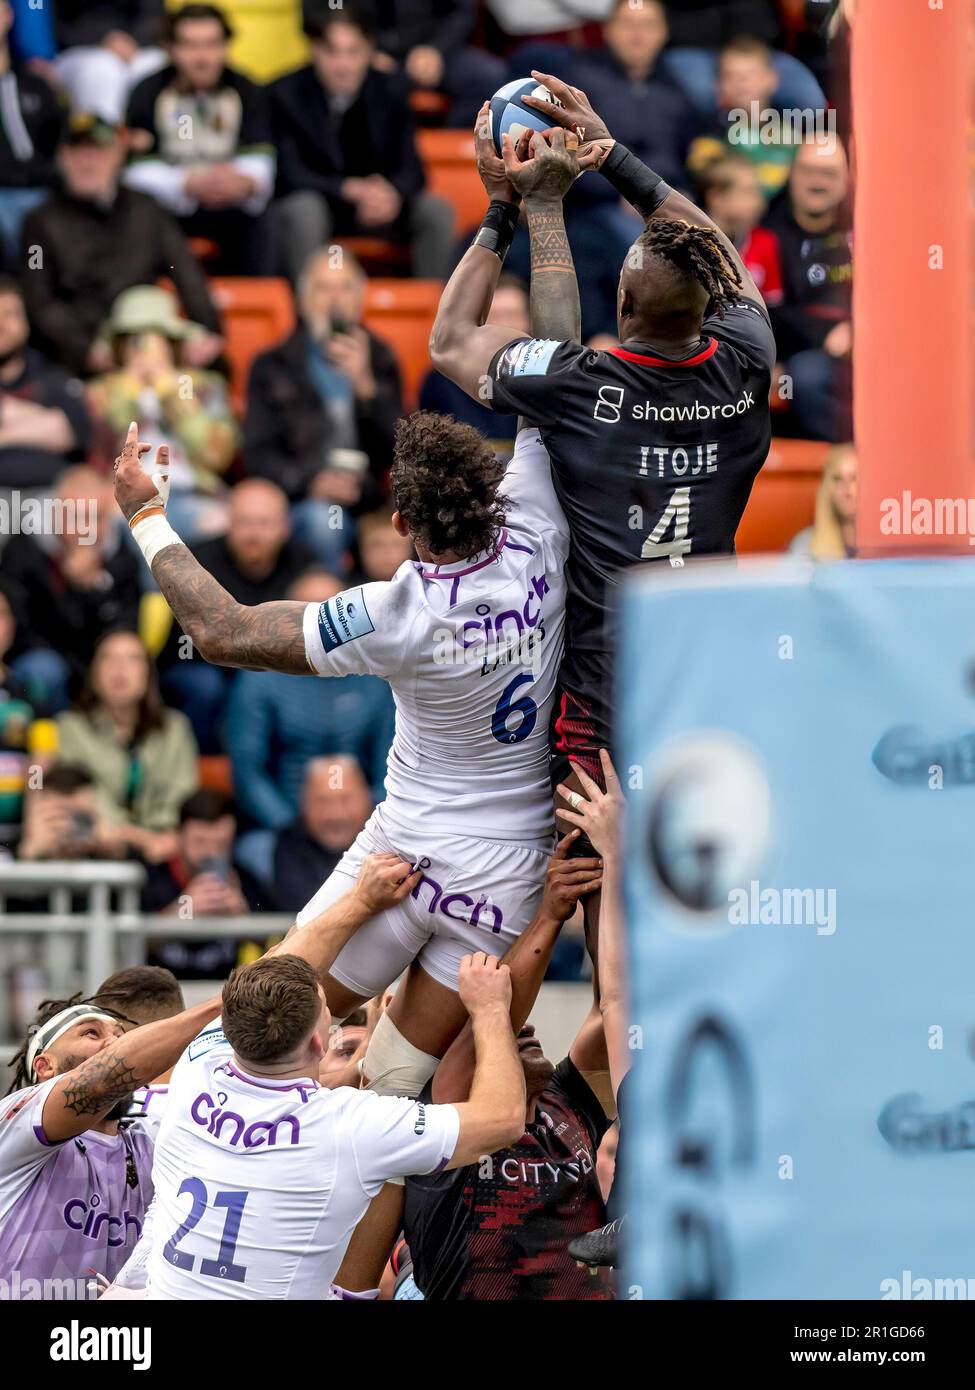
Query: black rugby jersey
{"x": 499, "y": 1229}
{"x": 652, "y": 460}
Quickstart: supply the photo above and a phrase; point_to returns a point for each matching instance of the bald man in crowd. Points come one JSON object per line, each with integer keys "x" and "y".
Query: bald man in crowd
{"x": 256, "y": 561}
{"x": 335, "y": 805}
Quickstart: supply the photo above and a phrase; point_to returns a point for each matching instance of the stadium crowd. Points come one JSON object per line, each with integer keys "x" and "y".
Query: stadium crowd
{"x": 137, "y": 162}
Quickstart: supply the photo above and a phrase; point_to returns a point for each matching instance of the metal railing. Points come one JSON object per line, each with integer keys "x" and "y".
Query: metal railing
{"x": 76, "y": 945}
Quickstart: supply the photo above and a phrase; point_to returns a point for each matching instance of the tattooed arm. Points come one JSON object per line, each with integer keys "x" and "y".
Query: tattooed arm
{"x": 544, "y": 181}
{"x": 85, "y": 1095}
{"x": 265, "y": 637}
{"x": 462, "y": 342}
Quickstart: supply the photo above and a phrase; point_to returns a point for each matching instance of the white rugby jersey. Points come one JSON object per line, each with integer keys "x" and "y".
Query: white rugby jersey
{"x": 259, "y": 1184}
{"x": 148, "y": 1105}
{"x": 472, "y": 653}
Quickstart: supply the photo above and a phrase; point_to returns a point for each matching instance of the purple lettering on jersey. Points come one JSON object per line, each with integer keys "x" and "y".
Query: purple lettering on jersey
{"x": 206, "y": 1112}
{"x": 440, "y": 903}
{"x": 76, "y": 1211}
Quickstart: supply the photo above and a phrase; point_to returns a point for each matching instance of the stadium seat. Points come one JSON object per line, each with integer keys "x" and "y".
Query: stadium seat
{"x": 216, "y": 775}
{"x": 428, "y": 107}
{"x": 203, "y": 249}
{"x": 448, "y": 158}
{"x": 256, "y": 315}
{"x": 783, "y": 500}
{"x": 374, "y": 254}
{"x": 401, "y": 312}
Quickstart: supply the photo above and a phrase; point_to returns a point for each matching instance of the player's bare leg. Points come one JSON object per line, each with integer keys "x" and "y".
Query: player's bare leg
{"x": 341, "y": 1000}
{"x": 428, "y": 1014}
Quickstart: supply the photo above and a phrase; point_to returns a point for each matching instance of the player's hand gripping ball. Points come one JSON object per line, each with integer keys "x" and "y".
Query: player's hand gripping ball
{"x": 510, "y": 115}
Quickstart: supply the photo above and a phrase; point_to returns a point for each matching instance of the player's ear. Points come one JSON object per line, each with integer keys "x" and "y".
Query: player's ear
{"x": 44, "y": 1066}
{"x": 400, "y": 526}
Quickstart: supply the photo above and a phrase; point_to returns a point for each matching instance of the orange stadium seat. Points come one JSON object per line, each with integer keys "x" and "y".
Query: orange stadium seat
{"x": 401, "y": 312}
{"x": 216, "y": 775}
{"x": 256, "y": 314}
{"x": 428, "y": 106}
{"x": 374, "y": 254}
{"x": 448, "y": 158}
{"x": 783, "y": 500}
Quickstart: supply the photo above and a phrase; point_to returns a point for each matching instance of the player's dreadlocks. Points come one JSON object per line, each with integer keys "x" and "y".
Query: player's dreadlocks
{"x": 47, "y": 1010}
{"x": 698, "y": 252}
{"x": 445, "y": 481}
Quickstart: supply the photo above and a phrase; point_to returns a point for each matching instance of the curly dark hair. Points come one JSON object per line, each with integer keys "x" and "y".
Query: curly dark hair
{"x": 696, "y": 252}
{"x": 445, "y": 484}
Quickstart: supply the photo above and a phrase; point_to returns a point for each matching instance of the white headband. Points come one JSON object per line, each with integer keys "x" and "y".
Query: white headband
{"x": 49, "y": 1032}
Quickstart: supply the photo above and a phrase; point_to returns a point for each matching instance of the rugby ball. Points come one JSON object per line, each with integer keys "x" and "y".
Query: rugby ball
{"x": 510, "y": 115}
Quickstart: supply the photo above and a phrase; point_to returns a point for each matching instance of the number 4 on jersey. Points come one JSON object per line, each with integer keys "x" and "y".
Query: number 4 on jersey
{"x": 678, "y": 512}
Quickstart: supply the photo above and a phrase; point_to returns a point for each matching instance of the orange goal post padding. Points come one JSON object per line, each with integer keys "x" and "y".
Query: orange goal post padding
{"x": 914, "y": 371}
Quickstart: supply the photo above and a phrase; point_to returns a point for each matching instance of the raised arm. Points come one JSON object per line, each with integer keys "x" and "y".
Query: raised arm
{"x": 462, "y": 342}
{"x": 566, "y": 881}
{"x": 384, "y": 880}
{"x": 265, "y": 637}
{"x": 601, "y": 817}
{"x": 86, "y": 1094}
{"x": 493, "y": 1116}
{"x": 631, "y": 178}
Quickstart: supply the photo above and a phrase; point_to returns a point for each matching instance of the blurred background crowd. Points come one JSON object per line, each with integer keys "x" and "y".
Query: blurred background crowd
{"x": 233, "y": 224}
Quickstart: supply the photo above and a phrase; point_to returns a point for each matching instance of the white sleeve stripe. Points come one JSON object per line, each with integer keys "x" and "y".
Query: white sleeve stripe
{"x": 314, "y": 647}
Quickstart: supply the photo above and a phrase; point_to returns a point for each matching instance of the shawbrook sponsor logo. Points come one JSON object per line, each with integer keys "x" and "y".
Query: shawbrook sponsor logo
{"x": 909, "y": 515}
{"x": 77, "y": 1343}
{"x": 697, "y": 410}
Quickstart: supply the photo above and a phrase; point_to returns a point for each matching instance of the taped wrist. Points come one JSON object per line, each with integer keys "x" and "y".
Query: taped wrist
{"x": 498, "y": 228}
{"x": 634, "y": 181}
{"x": 152, "y": 533}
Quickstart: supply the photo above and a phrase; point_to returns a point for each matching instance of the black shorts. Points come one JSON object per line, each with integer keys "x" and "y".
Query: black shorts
{"x": 574, "y": 744}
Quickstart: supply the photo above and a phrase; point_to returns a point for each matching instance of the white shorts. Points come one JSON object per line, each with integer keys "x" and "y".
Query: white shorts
{"x": 475, "y": 895}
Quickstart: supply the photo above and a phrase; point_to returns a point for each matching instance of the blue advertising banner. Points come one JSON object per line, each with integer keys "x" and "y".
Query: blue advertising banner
{"x": 799, "y": 748}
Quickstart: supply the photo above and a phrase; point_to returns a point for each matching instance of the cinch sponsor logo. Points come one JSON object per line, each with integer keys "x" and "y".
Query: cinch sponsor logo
{"x": 215, "y": 1120}
{"x": 91, "y": 1222}
{"x": 674, "y": 414}
{"x": 445, "y": 903}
